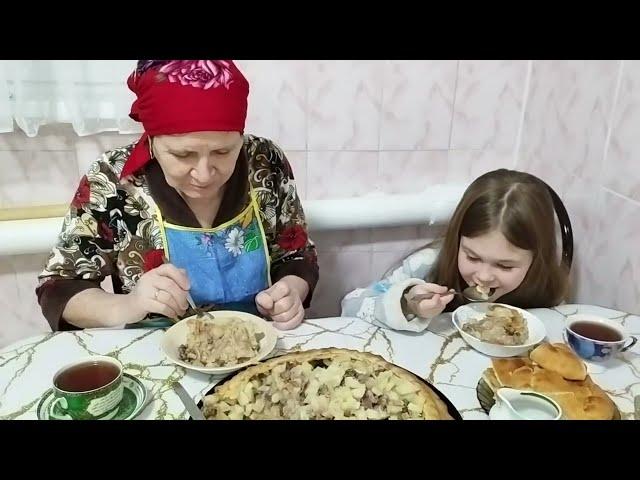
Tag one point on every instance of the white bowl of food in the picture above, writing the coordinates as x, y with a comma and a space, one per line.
498, 330
219, 343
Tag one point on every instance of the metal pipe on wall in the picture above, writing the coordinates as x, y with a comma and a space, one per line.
34, 230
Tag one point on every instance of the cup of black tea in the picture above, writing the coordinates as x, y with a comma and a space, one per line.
88, 389
595, 338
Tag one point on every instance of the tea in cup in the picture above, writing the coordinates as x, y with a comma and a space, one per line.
596, 338
88, 389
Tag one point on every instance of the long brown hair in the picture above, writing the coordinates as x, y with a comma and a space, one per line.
518, 205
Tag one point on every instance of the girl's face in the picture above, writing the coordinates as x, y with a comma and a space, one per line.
492, 261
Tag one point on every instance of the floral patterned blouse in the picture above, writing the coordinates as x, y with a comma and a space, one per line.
111, 228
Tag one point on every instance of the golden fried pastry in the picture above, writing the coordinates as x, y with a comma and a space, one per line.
559, 358
546, 372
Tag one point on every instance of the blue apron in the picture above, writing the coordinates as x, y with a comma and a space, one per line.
227, 265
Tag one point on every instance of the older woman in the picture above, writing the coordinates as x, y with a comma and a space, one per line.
193, 207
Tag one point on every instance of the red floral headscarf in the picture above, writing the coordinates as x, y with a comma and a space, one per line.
183, 96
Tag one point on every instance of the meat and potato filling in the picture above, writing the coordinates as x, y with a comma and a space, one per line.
333, 389
219, 344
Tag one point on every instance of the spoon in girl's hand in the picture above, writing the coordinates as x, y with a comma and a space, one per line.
472, 294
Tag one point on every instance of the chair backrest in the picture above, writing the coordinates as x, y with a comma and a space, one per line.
566, 231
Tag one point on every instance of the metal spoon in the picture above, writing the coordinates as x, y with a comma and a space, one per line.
470, 293
199, 312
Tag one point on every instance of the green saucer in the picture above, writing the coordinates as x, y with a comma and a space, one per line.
134, 399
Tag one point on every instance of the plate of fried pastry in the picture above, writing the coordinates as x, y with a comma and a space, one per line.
554, 370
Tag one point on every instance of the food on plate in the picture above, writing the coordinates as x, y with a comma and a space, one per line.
328, 383
500, 325
580, 399
220, 343
559, 358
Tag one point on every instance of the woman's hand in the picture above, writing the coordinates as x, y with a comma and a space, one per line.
282, 302
162, 290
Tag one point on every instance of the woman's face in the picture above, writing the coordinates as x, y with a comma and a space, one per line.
492, 261
197, 164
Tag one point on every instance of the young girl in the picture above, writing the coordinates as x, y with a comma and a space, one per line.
501, 236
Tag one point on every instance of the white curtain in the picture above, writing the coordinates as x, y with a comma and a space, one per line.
92, 95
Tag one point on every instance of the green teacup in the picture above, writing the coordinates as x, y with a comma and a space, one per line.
88, 389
